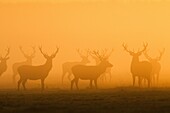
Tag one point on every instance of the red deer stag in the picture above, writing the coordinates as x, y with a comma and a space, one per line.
108, 70
27, 62
155, 65
140, 69
27, 72
3, 63
66, 67
91, 73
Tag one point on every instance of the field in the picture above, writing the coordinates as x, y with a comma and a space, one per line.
116, 100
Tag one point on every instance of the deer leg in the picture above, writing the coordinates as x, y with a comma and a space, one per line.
102, 77
139, 81
149, 82
153, 83
72, 83
42, 84
91, 84
69, 76
95, 82
23, 83
76, 82
63, 75
110, 75
133, 77
19, 82
14, 76
157, 78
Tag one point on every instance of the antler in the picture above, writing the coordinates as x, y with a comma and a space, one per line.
161, 53
147, 56
33, 53
104, 52
1, 57
78, 51
87, 52
81, 55
54, 54
125, 48
100, 57
8, 50
44, 54
145, 47
110, 53
25, 55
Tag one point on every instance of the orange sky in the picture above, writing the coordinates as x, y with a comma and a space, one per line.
96, 24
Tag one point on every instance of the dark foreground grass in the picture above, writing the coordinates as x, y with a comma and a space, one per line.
118, 100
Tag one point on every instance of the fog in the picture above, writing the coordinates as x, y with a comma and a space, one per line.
85, 25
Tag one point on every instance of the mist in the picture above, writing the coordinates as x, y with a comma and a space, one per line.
85, 25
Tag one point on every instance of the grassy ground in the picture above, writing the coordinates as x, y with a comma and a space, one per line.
117, 100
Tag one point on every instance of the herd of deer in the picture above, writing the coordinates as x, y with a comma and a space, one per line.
143, 70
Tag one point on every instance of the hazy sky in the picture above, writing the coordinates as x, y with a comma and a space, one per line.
51, 0
94, 25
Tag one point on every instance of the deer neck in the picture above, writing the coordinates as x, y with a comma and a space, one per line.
48, 65
135, 60
97, 61
29, 61
83, 62
134, 64
3, 67
101, 68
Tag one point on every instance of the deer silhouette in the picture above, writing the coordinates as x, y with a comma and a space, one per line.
155, 65
91, 73
3, 63
40, 72
108, 70
66, 67
140, 69
27, 62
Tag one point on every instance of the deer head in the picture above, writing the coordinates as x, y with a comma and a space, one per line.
6, 57
49, 57
85, 57
161, 53
103, 58
105, 54
157, 58
135, 54
28, 57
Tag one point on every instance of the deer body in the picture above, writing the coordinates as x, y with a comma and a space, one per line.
35, 72
89, 72
3, 67
156, 66
140, 69
67, 66
40, 72
3, 63
108, 70
27, 62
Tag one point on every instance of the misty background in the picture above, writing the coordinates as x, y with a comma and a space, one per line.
94, 25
